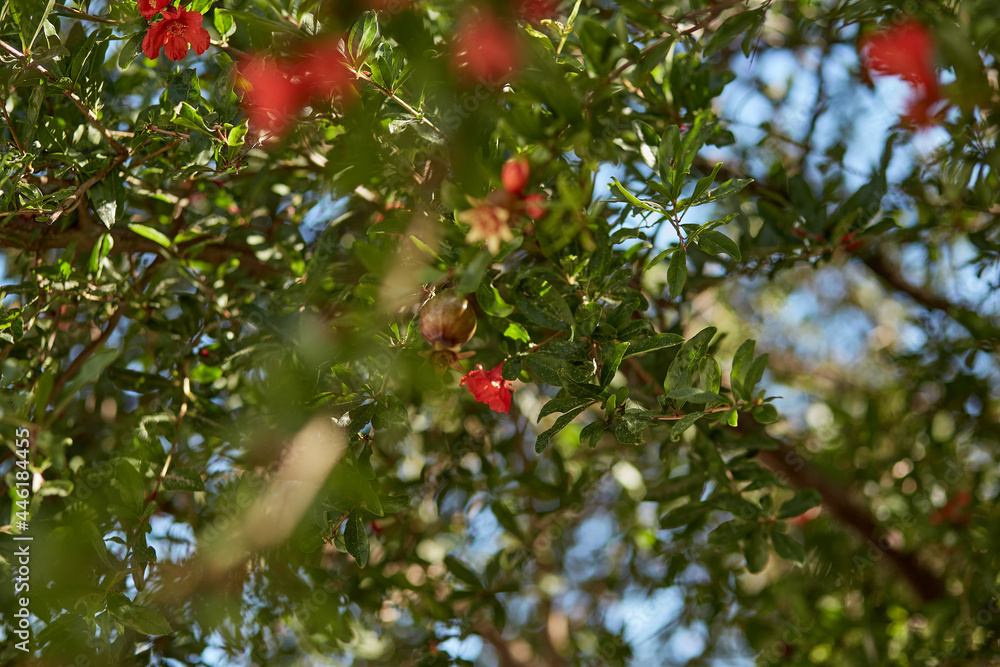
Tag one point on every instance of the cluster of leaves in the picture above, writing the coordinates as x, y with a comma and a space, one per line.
196, 271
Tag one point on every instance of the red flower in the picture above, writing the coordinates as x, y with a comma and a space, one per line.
485, 49
272, 98
514, 174
324, 70
276, 92
150, 8
534, 11
534, 206
906, 51
489, 387
178, 28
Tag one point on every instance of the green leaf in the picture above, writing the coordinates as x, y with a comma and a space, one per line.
545, 436
703, 184
765, 414
100, 252
656, 342
677, 273
715, 243
472, 277
356, 539
692, 395
506, 519
237, 134
31, 16
683, 424
56, 487
11, 325
154, 235
188, 117
102, 195
223, 22
684, 515
542, 303
491, 302
681, 370
756, 551
800, 503
726, 189
561, 405
361, 39
131, 486
97, 542
183, 479
755, 374
394, 504
515, 331
548, 366
611, 359
462, 572
741, 367
592, 433
130, 50
635, 201
143, 620
742, 24
710, 373
788, 547
670, 155
587, 318
372, 501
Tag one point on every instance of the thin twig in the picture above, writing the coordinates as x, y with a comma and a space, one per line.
77, 14
80, 104
391, 95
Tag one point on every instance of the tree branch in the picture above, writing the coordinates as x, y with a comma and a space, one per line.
24, 234
496, 640
803, 475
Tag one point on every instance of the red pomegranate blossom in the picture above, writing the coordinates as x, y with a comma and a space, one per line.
272, 99
535, 11
489, 387
150, 8
178, 28
906, 51
534, 206
276, 92
485, 49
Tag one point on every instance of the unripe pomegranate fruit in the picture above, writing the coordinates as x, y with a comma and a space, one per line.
447, 321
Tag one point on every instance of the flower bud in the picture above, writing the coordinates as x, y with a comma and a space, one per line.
515, 174
447, 321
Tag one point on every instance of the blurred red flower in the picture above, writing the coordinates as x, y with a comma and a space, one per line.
535, 206
485, 49
489, 387
906, 51
276, 92
150, 8
534, 11
272, 98
178, 28
323, 70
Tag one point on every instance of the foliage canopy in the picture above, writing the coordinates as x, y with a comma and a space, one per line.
437, 333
